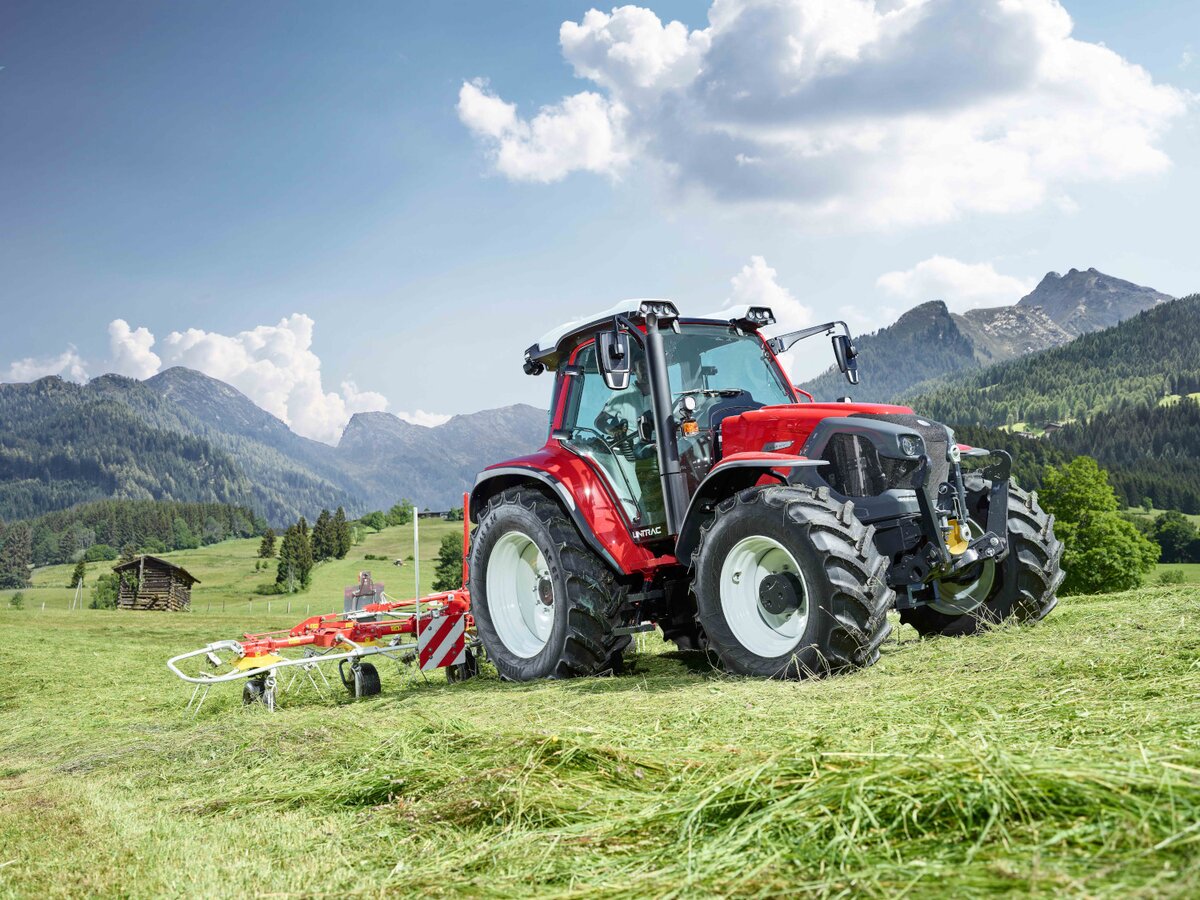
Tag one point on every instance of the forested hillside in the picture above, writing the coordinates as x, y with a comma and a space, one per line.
1140, 361
184, 436
1151, 453
100, 530
114, 437
62, 444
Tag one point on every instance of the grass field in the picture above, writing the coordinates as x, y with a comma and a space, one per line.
1155, 513
1191, 571
1062, 759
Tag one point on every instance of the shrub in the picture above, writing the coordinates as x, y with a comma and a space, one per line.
104, 591
1103, 552
1172, 576
100, 553
17, 600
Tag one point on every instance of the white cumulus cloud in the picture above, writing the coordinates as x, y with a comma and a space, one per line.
758, 284
274, 366
427, 419
872, 112
962, 285
582, 133
68, 365
130, 349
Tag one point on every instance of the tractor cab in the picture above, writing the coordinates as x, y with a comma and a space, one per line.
643, 394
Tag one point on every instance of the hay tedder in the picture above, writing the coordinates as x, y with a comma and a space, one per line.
432, 632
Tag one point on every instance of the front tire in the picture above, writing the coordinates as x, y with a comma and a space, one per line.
1026, 583
544, 603
789, 585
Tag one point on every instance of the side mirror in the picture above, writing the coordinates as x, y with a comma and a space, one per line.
846, 356
614, 359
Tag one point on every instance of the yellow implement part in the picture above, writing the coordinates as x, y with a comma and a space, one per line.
256, 662
957, 541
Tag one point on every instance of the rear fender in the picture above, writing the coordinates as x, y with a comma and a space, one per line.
582, 495
734, 473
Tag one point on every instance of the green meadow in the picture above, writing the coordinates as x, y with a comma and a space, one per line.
1061, 759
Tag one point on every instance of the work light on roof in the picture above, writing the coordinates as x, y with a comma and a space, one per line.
659, 308
755, 317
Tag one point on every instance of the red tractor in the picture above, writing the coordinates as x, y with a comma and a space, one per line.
686, 484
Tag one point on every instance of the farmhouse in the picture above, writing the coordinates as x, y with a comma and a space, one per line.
148, 582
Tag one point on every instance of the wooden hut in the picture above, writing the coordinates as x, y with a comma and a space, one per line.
148, 582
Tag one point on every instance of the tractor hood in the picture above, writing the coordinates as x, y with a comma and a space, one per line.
785, 429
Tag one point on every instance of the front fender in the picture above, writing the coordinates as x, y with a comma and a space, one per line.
734, 473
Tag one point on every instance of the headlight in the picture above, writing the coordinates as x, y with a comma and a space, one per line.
911, 445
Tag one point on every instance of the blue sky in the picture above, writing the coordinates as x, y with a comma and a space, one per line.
228, 167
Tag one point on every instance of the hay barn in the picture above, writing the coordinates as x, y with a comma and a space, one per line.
148, 582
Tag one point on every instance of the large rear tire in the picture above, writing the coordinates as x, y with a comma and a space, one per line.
544, 603
1026, 583
789, 585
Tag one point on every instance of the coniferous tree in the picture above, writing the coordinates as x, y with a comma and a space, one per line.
266, 549
448, 574
16, 556
324, 541
78, 573
341, 534
295, 558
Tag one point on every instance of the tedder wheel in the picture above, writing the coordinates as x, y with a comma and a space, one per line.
1022, 587
789, 584
544, 603
252, 692
362, 680
469, 668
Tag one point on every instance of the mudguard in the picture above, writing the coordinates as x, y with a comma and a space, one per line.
732, 474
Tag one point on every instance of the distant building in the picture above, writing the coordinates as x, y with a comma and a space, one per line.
148, 582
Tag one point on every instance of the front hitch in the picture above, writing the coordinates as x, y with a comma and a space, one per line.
992, 544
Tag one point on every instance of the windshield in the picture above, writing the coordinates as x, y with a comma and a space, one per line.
715, 359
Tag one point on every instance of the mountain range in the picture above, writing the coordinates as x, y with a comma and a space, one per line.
182, 435
929, 342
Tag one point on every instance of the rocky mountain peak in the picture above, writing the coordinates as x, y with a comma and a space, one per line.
1083, 301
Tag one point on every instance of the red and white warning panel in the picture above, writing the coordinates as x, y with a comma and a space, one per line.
442, 641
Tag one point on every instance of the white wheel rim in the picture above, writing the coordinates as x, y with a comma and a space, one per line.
757, 629
517, 580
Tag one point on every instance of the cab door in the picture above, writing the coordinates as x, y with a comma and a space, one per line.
614, 430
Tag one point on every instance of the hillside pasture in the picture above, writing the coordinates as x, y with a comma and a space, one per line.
1061, 759
228, 580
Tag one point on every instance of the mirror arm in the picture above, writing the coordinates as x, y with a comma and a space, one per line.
621, 321
784, 342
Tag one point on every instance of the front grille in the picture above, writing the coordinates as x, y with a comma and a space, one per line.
935, 436
855, 469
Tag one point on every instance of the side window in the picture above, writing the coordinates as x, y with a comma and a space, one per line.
613, 428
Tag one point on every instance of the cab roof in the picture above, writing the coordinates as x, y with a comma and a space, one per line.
557, 343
